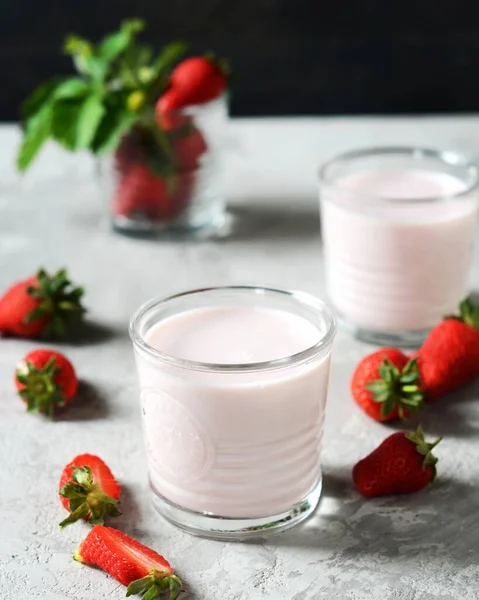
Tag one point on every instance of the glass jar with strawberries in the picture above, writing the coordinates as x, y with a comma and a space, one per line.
157, 129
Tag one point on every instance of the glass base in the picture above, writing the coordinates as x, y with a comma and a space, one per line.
235, 529
218, 226
401, 339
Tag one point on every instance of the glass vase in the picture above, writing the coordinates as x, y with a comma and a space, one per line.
168, 179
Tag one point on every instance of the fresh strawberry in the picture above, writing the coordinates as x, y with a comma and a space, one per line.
188, 146
198, 79
403, 463
385, 385
88, 490
131, 563
40, 305
145, 195
142, 193
170, 102
449, 357
45, 380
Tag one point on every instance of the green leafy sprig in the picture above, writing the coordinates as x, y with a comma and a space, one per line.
117, 84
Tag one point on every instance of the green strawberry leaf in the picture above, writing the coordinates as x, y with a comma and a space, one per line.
37, 132
81, 512
89, 118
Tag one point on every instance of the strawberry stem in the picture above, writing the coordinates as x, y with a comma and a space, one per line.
468, 313
153, 585
59, 302
397, 389
87, 499
424, 448
41, 393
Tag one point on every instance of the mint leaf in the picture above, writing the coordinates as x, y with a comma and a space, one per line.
114, 125
39, 97
71, 88
37, 132
169, 55
65, 122
113, 45
96, 67
133, 26
89, 117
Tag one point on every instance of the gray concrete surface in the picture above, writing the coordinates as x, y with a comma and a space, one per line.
421, 547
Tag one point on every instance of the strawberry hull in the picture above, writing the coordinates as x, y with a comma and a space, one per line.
88, 490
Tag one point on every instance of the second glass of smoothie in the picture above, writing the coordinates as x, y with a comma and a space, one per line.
233, 386
398, 227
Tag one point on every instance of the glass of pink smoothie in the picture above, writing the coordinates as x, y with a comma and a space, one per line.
398, 227
233, 385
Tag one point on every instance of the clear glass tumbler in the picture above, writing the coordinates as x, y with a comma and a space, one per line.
167, 179
398, 227
234, 449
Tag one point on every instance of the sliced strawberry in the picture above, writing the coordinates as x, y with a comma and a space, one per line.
131, 563
45, 380
88, 490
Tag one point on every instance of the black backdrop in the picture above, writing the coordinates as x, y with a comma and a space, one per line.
289, 56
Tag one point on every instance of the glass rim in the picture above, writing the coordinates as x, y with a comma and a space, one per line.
301, 297
448, 157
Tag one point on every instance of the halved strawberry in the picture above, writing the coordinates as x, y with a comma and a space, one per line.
88, 490
131, 563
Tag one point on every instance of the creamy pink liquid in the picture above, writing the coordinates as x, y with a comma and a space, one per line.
397, 266
233, 444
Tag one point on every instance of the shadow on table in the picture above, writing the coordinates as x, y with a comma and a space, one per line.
453, 415
89, 404
351, 527
131, 516
273, 219
90, 333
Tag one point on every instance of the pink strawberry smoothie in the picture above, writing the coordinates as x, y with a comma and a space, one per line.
234, 443
397, 260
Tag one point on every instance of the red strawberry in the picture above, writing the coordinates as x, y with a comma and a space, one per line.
403, 463
449, 357
131, 563
385, 385
188, 146
40, 305
142, 193
88, 490
170, 102
198, 79
45, 380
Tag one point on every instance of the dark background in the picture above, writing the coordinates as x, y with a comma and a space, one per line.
289, 57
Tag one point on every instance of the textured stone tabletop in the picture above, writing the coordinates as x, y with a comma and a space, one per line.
421, 547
